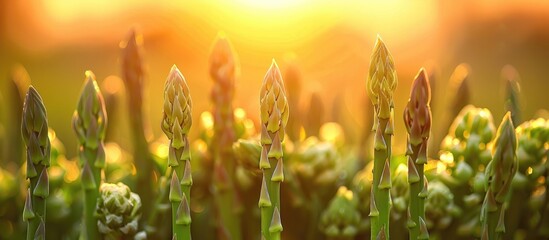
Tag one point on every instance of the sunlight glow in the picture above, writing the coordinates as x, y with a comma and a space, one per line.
271, 4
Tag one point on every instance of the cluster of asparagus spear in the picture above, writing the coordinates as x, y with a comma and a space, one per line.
329, 189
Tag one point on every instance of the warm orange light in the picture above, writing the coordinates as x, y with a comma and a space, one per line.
271, 4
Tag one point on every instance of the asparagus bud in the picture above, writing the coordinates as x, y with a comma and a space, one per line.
176, 123
89, 123
34, 128
118, 211
274, 117
382, 82
499, 172
417, 118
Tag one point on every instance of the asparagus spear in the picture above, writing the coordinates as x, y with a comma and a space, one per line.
510, 78
89, 122
176, 123
417, 118
274, 117
499, 172
133, 74
382, 81
34, 128
223, 67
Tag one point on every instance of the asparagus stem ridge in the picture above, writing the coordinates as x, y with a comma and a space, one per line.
382, 82
34, 128
176, 123
417, 118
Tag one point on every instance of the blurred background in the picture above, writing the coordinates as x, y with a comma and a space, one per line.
329, 41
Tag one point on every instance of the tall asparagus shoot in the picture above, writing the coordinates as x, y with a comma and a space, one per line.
223, 72
499, 172
510, 77
382, 81
133, 74
89, 122
34, 128
176, 123
274, 117
417, 118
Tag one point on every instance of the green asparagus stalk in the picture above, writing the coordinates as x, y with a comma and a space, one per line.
133, 74
510, 78
417, 118
499, 172
118, 211
176, 123
274, 117
89, 122
382, 81
34, 129
223, 67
